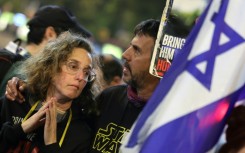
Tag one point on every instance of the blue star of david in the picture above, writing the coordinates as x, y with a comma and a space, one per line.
209, 56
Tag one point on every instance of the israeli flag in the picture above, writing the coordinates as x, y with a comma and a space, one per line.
189, 108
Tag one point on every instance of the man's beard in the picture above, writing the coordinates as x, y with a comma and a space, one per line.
138, 80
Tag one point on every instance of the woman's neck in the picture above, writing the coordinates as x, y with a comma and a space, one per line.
61, 104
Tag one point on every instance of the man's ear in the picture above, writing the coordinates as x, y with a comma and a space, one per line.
50, 33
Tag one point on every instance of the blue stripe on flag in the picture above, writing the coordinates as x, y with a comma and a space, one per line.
193, 129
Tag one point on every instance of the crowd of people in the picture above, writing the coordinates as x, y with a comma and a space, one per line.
59, 96
58, 91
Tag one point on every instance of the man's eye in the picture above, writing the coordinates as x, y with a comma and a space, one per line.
136, 49
73, 66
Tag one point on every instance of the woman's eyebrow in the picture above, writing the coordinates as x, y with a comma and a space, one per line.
85, 67
73, 60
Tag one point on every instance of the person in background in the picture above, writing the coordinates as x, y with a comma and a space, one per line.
60, 84
47, 23
111, 69
7, 58
235, 132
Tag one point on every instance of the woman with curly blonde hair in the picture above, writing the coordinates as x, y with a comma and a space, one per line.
60, 95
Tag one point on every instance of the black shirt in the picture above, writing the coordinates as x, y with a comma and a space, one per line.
118, 114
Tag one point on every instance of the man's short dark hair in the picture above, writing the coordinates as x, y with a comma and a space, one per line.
60, 18
110, 67
148, 27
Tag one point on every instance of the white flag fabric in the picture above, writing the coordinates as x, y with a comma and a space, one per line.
188, 110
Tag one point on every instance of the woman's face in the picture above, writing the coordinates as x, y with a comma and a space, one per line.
69, 83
